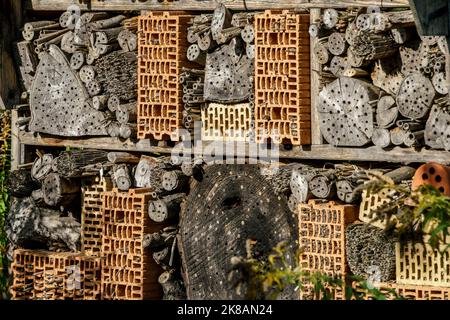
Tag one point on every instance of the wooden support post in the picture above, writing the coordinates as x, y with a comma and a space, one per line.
316, 136
16, 146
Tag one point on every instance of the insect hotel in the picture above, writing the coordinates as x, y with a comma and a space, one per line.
157, 149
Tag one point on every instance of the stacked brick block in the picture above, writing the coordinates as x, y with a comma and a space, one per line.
322, 239
282, 77
370, 202
43, 275
227, 123
161, 55
419, 264
129, 271
91, 216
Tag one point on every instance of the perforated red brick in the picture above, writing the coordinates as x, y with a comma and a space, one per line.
91, 216
161, 55
282, 77
44, 275
129, 271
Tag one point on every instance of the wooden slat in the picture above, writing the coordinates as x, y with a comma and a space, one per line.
319, 152
316, 136
432, 17
16, 147
204, 5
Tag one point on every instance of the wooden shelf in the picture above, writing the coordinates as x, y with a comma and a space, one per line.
205, 5
317, 152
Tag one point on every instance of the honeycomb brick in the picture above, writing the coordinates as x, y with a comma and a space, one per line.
414, 292
227, 122
370, 202
91, 216
44, 275
129, 271
282, 77
419, 264
161, 55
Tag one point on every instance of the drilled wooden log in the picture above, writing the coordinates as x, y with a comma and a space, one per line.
299, 184
387, 112
437, 130
59, 190
337, 44
172, 287
162, 257
154, 242
221, 20
174, 180
121, 177
316, 30
127, 40
346, 118
106, 23
87, 74
248, 34
194, 54
205, 42
415, 96
166, 208
398, 136
126, 113
77, 60
346, 190
113, 103
440, 83
148, 174
323, 185
338, 65
113, 129
20, 183
102, 49
414, 139
100, 102
337, 19
122, 157
321, 53
28, 58
42, 166
106, 36
242, 19
93, 88
381, 138
127, 130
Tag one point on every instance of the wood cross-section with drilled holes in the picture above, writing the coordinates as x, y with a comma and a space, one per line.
282, 78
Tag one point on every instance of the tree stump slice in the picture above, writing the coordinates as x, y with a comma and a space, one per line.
437, 129
440, 83
387, 112
221, 213
346, 112
381, 138
415, 96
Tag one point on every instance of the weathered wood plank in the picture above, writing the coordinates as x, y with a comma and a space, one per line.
316, 136
318, 152
205, 5
431, 17
16, 147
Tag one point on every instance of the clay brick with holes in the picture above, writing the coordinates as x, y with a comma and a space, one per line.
322, 238
91, 216
413, 292
44, 275
433, 174
419, 264
282, 77
370, 202
227, 122
161, 55
129, 271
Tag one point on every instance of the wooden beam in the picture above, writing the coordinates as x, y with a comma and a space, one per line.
16, 147
205, 5
316, 135
319, 152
